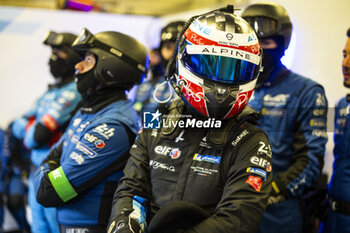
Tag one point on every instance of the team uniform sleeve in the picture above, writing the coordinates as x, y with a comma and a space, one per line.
89, 163
310, 139
134, 190
41, 179
50, 120
246, 191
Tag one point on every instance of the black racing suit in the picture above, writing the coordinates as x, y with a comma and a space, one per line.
225, 171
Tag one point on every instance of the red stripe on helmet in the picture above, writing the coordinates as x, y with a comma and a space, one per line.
197, 39
194, 93
241, 102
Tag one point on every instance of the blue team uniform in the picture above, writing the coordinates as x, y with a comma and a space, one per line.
338, 188
293, 114
91, 154
40, 127
15, 163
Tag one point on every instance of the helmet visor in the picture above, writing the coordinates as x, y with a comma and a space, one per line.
263, 26
221, 68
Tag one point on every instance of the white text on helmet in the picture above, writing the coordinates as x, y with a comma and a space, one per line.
223, 51
201, 27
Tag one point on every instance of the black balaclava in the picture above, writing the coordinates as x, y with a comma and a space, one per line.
87, 84
61, 68
94, 95
271, 62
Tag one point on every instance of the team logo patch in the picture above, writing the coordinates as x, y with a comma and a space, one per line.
180, 138
259, 161
162, 150
277, 100
90, 138
100, 143
175, 153
49, 122
255, 182
86, 150
257, 171
229, 36
265, 149
104, 131
207, 158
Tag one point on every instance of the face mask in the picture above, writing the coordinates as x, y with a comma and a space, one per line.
270, 61
60, 68
220, 100
86, 83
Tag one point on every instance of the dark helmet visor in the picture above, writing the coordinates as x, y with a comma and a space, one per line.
263, 26
221, 68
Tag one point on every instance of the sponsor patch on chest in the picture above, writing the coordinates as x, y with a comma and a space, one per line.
277, 100
207, 158
204, 171
174, 153
163, 166
239, 137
